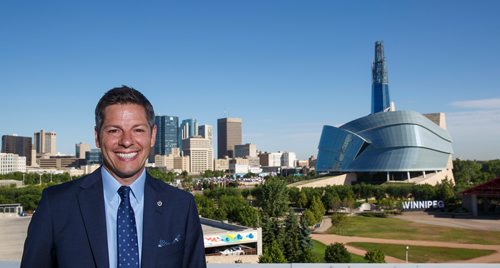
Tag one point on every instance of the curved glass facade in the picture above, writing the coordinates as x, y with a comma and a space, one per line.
384, 142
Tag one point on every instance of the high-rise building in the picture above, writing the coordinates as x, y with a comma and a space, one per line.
206, 132
229, 134
21, 146
81, 149
166, 134
45, 143
289, 159
245, 150
187, 129
380, 82
200, 154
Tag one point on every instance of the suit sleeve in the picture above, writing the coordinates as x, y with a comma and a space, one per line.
194, 250
38, 247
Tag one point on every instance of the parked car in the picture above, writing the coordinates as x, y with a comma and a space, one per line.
236, 250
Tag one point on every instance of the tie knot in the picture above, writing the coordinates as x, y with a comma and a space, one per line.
124, 192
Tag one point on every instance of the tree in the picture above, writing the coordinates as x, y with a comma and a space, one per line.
302, 200
274, 197
309, 217
337, 253
273, 254
339, 221
292, 248
375, 256
317, 208
445, 191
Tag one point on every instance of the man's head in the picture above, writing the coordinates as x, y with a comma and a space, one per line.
125, 132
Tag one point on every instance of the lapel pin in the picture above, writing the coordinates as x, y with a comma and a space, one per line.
159, 203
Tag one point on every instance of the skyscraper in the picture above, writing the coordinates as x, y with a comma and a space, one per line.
188, 129
45, 143
81, 149
166, 134
206, 132
228, 135
200, 154
21, 146
380, 82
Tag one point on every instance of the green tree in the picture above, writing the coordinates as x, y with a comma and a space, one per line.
302, 200
375, 256
292, 247
337, 253
273, 254
445, 191
309, 217
339, 222
274, 197
317, 208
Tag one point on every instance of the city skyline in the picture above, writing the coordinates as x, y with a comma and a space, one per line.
285, 67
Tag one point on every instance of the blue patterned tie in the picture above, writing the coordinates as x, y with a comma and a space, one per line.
128, 253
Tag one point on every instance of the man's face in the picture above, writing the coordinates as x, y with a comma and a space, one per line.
125, 140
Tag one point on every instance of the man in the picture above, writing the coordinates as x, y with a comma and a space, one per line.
118, 216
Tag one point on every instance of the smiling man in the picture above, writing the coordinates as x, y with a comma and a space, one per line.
118, 216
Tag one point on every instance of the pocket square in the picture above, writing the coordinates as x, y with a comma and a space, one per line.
164, 243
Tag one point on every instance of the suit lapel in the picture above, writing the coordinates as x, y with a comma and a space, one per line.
153, 208
91, 200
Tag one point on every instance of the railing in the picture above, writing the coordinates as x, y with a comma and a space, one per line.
14, 264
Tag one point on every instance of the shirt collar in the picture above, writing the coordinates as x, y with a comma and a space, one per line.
111, 185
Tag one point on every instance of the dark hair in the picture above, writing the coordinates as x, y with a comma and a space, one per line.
122, 95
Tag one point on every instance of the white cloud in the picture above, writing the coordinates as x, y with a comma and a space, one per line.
484, 104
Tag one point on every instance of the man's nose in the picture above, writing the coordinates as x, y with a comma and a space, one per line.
126, 139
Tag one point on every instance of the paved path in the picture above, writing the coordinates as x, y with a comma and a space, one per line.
329, 238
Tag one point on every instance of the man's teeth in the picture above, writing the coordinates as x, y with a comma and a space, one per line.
127, 156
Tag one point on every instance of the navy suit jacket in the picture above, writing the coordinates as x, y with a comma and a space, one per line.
68, 228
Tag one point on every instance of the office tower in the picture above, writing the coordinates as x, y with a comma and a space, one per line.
187, 129
12, 163
245, 150
45, 143
206, 132
166, 135
21, 146
228, 135
81, 149
200, 154
289, 159
380, 82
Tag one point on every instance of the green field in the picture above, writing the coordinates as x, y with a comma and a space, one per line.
319, 251
393, 228
420, 254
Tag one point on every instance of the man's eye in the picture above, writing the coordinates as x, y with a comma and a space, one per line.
140, 130
112, 131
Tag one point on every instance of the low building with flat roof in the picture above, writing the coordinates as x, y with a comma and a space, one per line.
230, 243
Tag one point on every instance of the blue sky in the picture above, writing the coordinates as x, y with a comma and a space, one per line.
285, 67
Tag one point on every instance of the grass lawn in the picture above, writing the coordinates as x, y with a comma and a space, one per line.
393, 228
318, 250
422, 254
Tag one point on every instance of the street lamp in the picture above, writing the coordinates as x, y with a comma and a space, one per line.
407, 248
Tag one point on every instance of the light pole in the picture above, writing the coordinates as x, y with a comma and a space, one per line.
407, 248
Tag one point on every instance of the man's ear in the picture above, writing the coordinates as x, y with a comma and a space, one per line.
153, 135
96, 134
